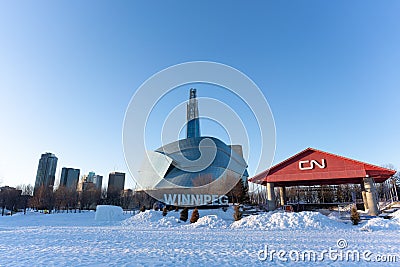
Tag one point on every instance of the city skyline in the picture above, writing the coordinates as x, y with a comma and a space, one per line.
328, 70
69, 177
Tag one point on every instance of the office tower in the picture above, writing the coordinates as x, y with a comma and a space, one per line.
46, 172
90, 181
98, 180
69, 178
116, 182
90, 177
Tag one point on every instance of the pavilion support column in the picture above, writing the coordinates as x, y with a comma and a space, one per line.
282, 194
364, 196
370, 192
271, 196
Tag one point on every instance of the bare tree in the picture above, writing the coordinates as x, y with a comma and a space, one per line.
72, 199
43, 198
26, 195
397, 174
61, 198
141, 198
27, 189
103, 193
3, 198
113, 196
239, 193
9, 198
127, 200
395, 177
90, 198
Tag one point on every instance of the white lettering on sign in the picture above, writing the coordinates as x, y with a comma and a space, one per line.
310, 164
195, 200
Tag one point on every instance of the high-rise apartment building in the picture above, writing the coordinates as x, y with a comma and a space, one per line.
116, 183
90, 177
46, 172
69, 178
98, 180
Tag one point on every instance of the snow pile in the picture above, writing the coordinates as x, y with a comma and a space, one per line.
209, 221
287, 220
108, 213
377, 224
396, 215
335, 216
220, 219
214, 218
223, 215
152, 218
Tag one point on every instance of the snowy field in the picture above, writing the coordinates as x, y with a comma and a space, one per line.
149, 239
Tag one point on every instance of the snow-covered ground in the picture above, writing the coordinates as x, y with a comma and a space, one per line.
149, 239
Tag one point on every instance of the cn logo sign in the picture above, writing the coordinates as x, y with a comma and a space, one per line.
310, 164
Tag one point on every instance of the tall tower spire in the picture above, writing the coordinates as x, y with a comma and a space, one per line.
193, 123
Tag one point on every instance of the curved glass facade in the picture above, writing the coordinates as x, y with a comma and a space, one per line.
190, 149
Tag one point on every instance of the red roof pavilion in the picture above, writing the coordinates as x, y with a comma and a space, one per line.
316, 167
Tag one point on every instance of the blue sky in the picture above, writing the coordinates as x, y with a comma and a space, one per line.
329, 70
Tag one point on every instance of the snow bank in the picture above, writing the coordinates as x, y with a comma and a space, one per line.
214, 218
108, 213
378, 224
221, 219
152, 218
287, 220
209, 221
396, 215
